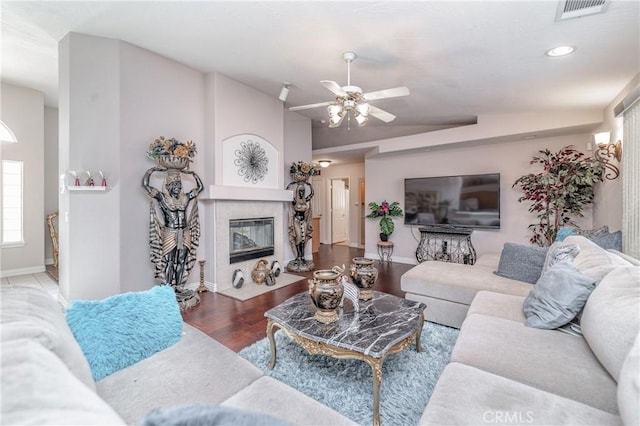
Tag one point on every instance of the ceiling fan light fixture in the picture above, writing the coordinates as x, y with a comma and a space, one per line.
336, 114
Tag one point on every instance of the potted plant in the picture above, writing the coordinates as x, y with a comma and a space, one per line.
560, 191
386, 211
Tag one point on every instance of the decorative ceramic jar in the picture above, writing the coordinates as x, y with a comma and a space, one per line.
364, 275
326, 291
260, 272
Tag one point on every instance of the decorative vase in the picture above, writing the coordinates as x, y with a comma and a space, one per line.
384, 237
172, 162
260, 272
364, 275
326, 290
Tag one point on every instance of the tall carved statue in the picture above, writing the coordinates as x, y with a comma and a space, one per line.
300, 219
174, 228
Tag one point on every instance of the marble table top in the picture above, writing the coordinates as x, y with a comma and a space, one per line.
373, 330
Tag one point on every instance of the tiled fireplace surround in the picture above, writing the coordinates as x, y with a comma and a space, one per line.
229, 203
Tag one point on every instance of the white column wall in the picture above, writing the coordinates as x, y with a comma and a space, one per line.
50, 175
89, 114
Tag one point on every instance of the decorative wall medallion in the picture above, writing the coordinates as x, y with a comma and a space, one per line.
252, 161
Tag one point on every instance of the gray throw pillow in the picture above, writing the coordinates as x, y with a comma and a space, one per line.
612, 240
522, 263
557, 297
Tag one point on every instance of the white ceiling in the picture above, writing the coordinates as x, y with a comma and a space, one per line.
459, 59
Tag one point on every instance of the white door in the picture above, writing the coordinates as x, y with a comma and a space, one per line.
338, 211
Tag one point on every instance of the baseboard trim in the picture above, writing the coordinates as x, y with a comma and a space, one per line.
394, 259
194, 286
22, 271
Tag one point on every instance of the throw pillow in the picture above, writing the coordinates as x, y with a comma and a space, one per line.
612, 240
126, 328
567, 231
522, 263
208, 415
557, 297
559, 252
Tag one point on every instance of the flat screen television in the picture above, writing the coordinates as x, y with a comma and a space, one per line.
465, 201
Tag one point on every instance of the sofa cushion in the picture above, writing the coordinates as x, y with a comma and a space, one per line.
32, 313
457, 282
465, 395
39, 389
629, 386
557, 297
611, 318
270, 396
126, 328
594, 261
505, 306
549, 360
521, 262
197, 369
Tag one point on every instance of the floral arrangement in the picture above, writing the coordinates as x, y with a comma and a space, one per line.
162, 147
386, 211
301, 168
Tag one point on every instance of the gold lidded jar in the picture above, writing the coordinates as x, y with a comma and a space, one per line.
260, 272
326, 291
364, 276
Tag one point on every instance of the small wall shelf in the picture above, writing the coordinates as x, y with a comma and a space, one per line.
85, 188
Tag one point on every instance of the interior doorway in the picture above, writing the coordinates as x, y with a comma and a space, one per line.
339, 210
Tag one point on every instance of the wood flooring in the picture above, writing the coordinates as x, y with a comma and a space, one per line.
237, 324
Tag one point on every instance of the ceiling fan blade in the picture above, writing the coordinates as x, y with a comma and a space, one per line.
334, 87
301, 107
387, 93
381, 114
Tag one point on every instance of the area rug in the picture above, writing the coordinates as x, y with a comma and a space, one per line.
250, 289
408, 377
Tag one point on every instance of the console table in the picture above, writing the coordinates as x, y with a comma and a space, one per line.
447, 244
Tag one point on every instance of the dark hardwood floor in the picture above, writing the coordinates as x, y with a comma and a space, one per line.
238, 324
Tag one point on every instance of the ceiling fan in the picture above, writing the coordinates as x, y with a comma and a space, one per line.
350, 99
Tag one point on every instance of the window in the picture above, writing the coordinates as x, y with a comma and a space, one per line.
12, 182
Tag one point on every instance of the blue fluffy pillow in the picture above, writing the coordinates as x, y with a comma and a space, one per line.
126, 328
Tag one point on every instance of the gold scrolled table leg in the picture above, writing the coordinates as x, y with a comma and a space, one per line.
272, 340
419, 333
376, 368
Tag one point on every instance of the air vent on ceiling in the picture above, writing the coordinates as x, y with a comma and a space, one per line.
569, 9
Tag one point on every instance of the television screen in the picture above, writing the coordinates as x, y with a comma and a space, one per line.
469, 201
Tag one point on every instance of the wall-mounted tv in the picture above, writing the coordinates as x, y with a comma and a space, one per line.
466, 201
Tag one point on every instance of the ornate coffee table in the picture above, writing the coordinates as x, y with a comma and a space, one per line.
382, 326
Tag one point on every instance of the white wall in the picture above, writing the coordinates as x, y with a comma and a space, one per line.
115, 99
385, 181
50, 175
22, 110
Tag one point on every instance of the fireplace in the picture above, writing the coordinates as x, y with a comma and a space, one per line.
250, 238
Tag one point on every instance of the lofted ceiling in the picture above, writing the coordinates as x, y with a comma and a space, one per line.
459, 59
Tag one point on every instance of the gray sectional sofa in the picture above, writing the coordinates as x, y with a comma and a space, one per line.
503, 372
47, 381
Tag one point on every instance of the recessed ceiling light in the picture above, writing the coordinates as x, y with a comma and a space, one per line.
560, 51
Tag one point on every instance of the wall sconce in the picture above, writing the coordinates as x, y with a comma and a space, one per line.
606, 151
324, 163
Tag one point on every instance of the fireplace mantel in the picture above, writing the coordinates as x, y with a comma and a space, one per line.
243, 193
